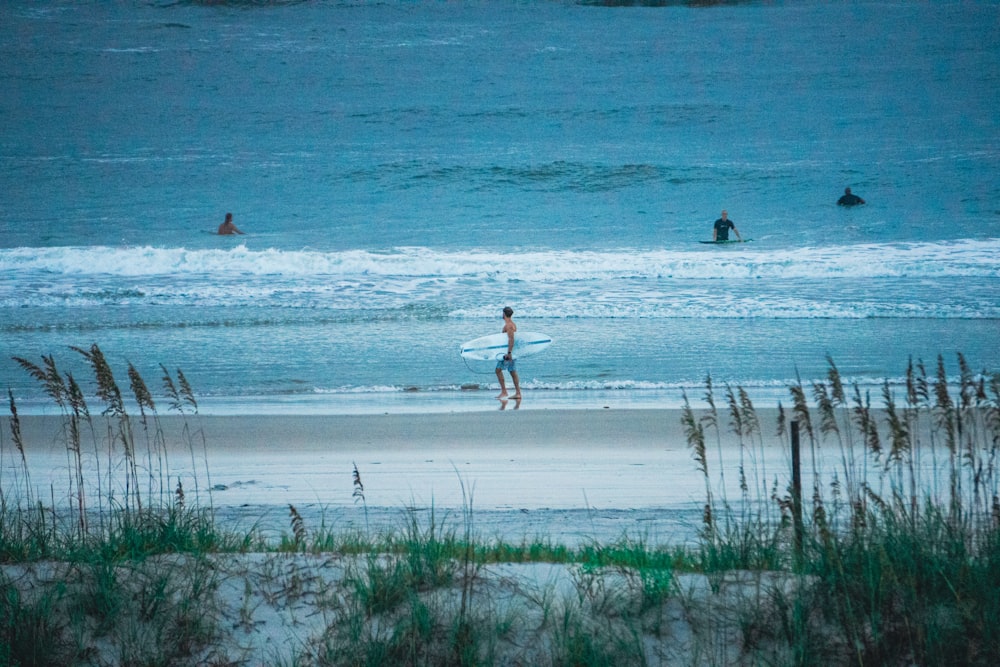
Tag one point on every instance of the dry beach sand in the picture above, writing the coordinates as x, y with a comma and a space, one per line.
282, 609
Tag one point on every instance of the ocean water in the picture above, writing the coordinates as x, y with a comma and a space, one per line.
405, 170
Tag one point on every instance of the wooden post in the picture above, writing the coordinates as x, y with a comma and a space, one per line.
797, 493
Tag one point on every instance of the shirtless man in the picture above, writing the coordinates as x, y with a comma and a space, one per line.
228, 227
508, 361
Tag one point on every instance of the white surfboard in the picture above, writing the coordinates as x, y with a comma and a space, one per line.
494, 346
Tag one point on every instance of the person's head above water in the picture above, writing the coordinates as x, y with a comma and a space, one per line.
508, 311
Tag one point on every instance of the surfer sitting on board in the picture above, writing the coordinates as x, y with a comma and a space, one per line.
228, 227
507, 362
720, 232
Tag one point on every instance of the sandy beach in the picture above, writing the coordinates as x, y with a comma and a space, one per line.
567, 475
607, 479
570, 477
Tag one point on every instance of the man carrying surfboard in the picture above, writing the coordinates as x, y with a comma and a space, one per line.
507, 363
720, 231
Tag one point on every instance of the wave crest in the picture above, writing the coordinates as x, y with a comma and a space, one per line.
963, 258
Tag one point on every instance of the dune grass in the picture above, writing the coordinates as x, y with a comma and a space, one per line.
902, 536
899, 561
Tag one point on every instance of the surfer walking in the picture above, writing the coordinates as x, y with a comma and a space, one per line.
720, 231
507, 363
227, 227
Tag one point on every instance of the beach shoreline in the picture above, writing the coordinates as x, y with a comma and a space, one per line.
579, 427
547, 481
311, 432
569, 476
563, 475
477, 399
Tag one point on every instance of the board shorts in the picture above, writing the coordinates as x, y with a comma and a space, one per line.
506, 365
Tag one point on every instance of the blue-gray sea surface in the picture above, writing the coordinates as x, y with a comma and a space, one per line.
404, 170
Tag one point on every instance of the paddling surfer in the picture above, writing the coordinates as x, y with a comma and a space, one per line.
227, 227
720, 230
507, 363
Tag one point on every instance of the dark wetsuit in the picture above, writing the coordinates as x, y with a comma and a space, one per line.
850, 200
722, 228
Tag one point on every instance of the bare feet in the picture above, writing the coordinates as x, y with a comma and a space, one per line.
503, 396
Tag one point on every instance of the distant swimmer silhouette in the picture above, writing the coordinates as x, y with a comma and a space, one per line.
228, 227
849, 199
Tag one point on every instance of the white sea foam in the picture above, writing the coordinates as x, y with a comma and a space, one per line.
964, 258
926, 280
